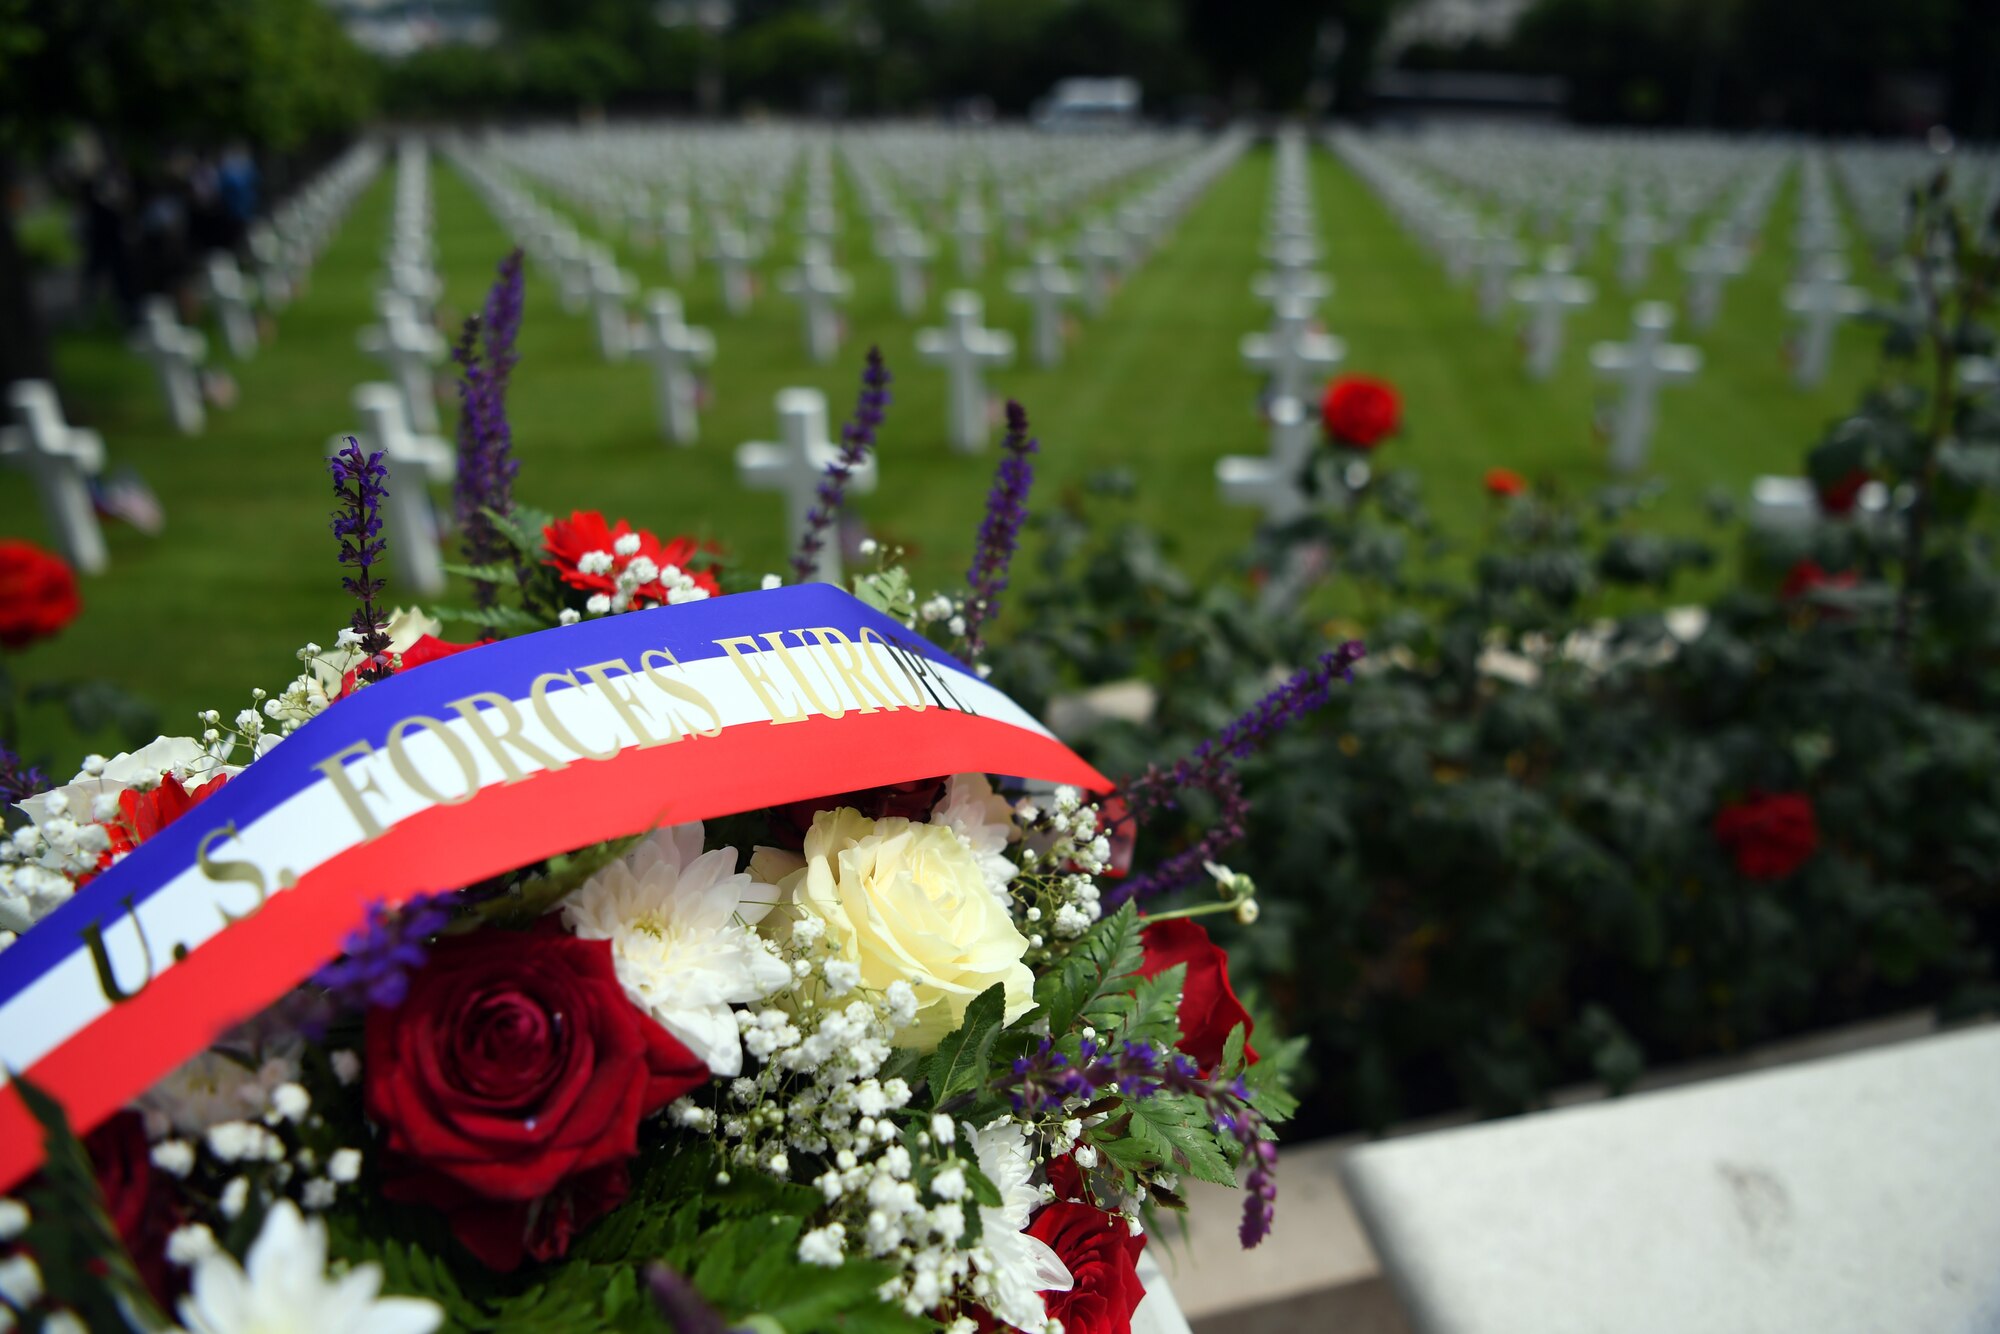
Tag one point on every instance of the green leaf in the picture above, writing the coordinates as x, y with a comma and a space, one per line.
1269, 1081
493, 572
492, 618
960, 1064
1110, 952
1169, 1130
888, 591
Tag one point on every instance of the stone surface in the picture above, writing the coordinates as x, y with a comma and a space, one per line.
1858, 1193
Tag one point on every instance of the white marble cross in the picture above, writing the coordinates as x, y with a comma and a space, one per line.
572, 270
969, 229
61, 459
1499, 256
1102, 255
733, 256
176, 353
230, 292
415, 460
1293, 354
1273, 483
965, 348
1583, 225
610, 289
1820, 302
1642, 365
1048, 287
1285, 284
416, 280
794, 467
274, 277
676, 351
1791, 505
820, 289
409, 349
908, 252
677, 238
1549, 297
1637, 236
1706, 266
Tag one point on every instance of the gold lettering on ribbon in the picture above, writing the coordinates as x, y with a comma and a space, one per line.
496, 743
100, 958
778, 646
335, 768
230, 872
539, 695
847, 662
628, 708
760, 684
870, 638
399, 756
681, 691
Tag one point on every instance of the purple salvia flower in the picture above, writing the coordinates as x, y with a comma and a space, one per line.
359, 484
486, 463
377, 960
857, 437
1186, 867
19, 780
1000, 530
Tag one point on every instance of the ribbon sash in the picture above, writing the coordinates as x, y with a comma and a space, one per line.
465, 768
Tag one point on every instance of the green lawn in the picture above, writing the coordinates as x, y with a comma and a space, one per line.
245, 573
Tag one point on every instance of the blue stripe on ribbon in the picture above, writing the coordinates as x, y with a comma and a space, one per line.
689, 631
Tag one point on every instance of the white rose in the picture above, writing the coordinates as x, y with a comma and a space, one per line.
907, 902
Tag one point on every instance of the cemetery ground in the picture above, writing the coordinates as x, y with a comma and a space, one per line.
1155, 387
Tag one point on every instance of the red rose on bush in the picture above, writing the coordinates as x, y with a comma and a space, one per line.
1103, 1260
1807, 575
569, 541
1361, 411
1839, 497
509, 1086
1769, 836
139, 1199
1505, 482
1209, 1008
37, 594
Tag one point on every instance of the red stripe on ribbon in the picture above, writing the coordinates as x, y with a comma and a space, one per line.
247, 966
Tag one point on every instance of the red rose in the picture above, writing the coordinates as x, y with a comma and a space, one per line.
1066, 1178
510, 1078
1839, 497
139, 1200
143, 814
584, 532
1807, 575
1361, 411
1768, 836
914, 800
1209, 1008
427, 649
1103, 1260
37, 594
1505, 482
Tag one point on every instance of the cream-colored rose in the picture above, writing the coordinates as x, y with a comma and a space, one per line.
908, 902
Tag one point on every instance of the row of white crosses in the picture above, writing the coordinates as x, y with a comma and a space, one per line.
284, 248
61, 460
1295, 356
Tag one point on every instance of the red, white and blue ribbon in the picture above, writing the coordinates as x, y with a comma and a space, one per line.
465, 768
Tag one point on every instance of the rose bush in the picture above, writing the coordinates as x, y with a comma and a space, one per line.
1361, 411
38, 594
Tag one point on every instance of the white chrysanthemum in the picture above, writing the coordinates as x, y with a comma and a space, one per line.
680, 922
1020, 1267
285, 1287
214, 1088
972, 810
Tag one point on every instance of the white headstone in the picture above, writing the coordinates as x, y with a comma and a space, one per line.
610, 289
965, 348
820, 289
969, 229
230, 292
677, 238
176, 353
1048, 287
795, 466
61, 459
1820, 302
1637, 236
1790, 505
1273, 483
1549, 297
908, 252
409, 349
1706, 266
733, 256
414, 460
1293, 354
676, 351
1642, 366
1499, 256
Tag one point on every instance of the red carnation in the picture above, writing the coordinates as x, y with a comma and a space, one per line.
139, 1199
37, 594
1102, 1256
1209, 1008
1768, 835
509, 1086
142, 814
585, 534
1361, 411
1505, 482
1839, 497
1806, 576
